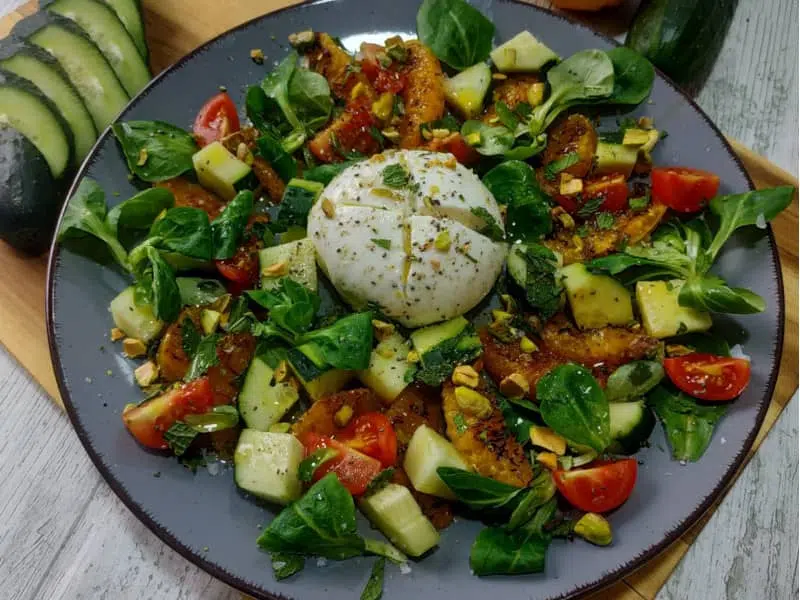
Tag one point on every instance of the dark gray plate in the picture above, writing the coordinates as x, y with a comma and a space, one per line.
208, 521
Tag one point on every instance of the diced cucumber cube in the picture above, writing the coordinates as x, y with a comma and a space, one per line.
220, 171
296, 260
137, 321
386, 374
266, 465
394, 511
263, 401
427, 451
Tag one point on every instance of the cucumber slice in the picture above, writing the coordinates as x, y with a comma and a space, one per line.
87, 68
300, 259
631, 424
221, 172
30, 198
41, 69
427, 451
397, 515
26, 109
266, 464
426, 338
130, 13
263, 401
316, 382
388, 363
595, 300
137, 321
104, 28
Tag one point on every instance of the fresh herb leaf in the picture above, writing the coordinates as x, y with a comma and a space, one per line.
382, 243
457, 33
286, 565
633, 77
604, 220
533, 268
380, 481
204, 357
491, 228
154, 150
271, 149
712, 294
561, 164
589, 207
513, 183
507, 117
437, 364
639, 203
228, 228
573, 405
291, 305
688, 424
460, 423
395, 176
326, 172
374, 588
182, 230
315, 460
493, 140
190, 337
322, 523
179, 437
517, 421
541, 490
218, 418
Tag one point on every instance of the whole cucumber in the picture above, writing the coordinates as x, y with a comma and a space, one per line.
682, 37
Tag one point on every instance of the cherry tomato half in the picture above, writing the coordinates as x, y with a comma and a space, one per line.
613, 189
354, 469
683, 189
383, 79
602, 486
241, 270
217, 119
373, 434
148, 421
708, 376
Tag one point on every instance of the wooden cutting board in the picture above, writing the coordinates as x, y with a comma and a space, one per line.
176, 27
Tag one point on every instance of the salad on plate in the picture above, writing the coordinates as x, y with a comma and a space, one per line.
419, 281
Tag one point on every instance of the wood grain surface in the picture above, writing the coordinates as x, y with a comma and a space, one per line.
70, 539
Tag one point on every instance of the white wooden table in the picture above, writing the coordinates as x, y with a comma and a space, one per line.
65, 535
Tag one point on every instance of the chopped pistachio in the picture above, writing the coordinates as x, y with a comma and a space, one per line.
466, 375
442, 241
440, 133
328, 208
473, 402
527, 345
146, 374
133, 348
142, 157
548, 459
282, 371
499, 76
546, 438
413, 356
501, 315
509, 304
515, 386
426, 134
569, 185
536, 94
566, 220
391, 134
278, 269
117, 334
678, 350
382, 107
359, 89
257, 54
594, 528
645, 122
301, 38
436, 264
343, 415
382, 329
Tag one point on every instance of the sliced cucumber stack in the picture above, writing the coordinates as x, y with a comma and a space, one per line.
87, 68
41, 69
104, 28
130, 13
26, 109
30, 196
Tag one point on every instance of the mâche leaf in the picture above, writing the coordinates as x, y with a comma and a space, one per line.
154, 150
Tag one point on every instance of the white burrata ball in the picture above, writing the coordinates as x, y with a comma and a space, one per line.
401, 231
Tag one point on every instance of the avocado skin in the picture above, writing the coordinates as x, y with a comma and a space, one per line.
30, 199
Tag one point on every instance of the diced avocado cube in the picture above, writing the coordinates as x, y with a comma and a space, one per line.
522, 53
615, 158
662, 316
595, 300
466, 91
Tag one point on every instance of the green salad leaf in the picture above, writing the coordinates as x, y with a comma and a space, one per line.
227, 230
270, 148
322, 523
204, 356
179, 437
573, 405
131, 219
498, 552
154, 150
689, 425
156, 285
533, 267
479, 492
182, 230
513, 183
457, 33
437, 364
292, 306
374, 588
198, 291
347, 344
286, 565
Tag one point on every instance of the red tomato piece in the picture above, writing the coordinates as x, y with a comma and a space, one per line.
241, 270
354, 469
217, 119
456, 145
373, 434
389, 81
612, 188
602, 486
708, 376
683, 189
148, 421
